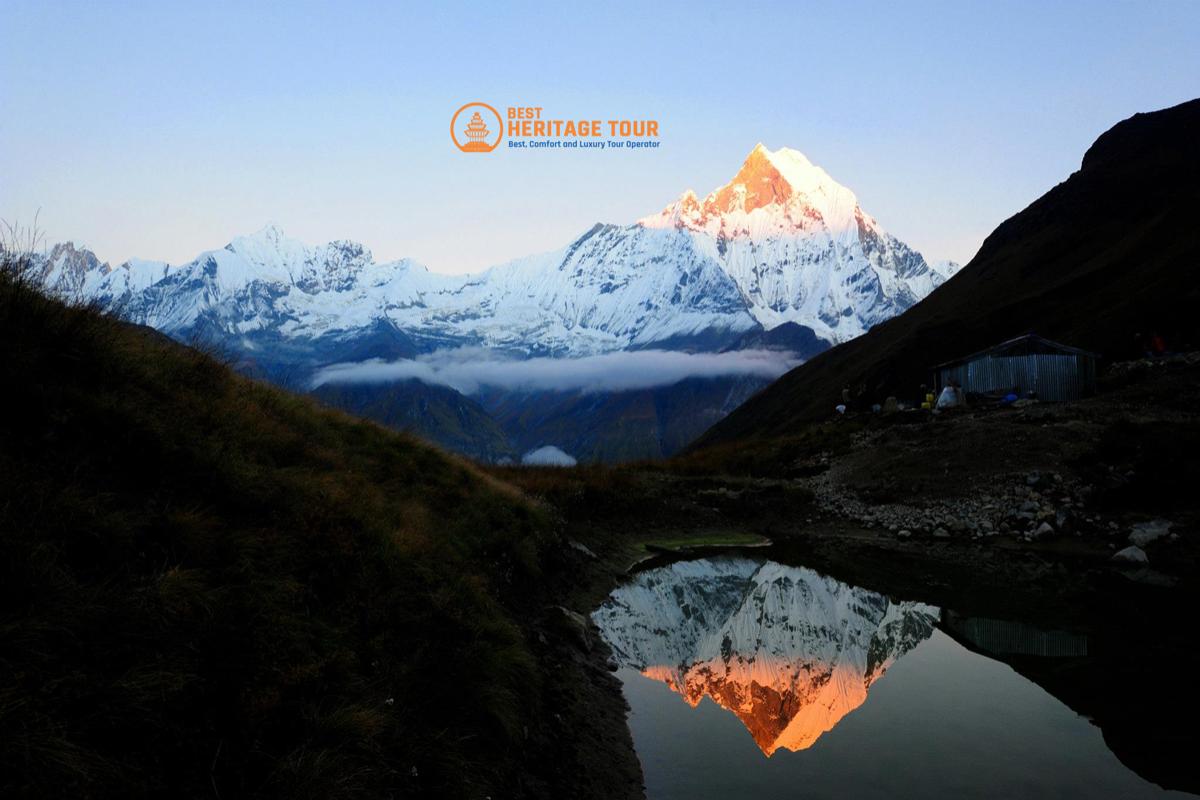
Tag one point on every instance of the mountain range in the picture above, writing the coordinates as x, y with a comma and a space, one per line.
782, 246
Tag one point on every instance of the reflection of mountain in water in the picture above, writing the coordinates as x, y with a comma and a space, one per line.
787, 650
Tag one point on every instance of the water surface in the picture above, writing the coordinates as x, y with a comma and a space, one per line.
751, 678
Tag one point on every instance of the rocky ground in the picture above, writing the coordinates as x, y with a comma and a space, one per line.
1028, 507
1078, 477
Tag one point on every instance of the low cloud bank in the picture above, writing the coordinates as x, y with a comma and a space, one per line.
469, 370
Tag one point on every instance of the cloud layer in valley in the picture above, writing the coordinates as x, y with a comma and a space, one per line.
469, 370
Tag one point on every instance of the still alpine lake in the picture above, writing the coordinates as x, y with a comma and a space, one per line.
750, 678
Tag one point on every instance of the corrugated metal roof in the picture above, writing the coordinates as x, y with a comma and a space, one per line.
1027, 344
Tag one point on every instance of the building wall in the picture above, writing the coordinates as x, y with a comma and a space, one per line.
1052, 376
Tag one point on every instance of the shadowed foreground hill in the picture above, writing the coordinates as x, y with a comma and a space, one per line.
210, 587
1108, 254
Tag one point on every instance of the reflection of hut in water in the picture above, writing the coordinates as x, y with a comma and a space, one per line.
1002, 638
476, 133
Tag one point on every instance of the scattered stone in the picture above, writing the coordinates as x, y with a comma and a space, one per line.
904, 533
1146, 532
1033, 478
1131, 555
1045, 529
941, 533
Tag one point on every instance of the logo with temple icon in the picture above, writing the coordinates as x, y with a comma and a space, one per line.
476, 128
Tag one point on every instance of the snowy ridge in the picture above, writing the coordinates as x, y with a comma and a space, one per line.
787, 650
591, 297
782, 242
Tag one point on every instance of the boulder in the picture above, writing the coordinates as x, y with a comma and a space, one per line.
1131, 555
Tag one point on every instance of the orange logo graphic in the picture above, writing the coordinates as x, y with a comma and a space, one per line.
471, 133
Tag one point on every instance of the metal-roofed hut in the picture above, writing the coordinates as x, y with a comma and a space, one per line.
1029, 363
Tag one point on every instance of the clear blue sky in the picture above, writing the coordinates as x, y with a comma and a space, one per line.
162, 129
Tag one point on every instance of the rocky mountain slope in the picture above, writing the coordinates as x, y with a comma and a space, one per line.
1101, 261
618, 426
434, 413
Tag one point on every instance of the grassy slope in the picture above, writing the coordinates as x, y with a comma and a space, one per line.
212, 587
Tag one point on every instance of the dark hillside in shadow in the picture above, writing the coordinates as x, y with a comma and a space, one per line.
212, 587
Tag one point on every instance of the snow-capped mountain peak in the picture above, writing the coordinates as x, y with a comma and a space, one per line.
269, 255
268, 237
800, 248
773, 192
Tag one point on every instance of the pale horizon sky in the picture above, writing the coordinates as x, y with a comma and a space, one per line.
160, 130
